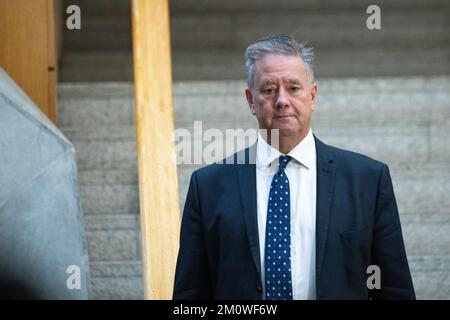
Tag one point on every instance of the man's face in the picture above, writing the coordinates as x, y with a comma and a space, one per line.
282, 97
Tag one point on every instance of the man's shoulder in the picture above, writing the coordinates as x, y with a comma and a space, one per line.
348, 159
228, 165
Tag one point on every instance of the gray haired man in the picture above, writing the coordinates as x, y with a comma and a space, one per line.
298, 220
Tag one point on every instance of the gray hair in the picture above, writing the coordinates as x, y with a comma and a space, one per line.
281, 44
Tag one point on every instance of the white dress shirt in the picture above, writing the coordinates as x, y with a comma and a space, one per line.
301, 172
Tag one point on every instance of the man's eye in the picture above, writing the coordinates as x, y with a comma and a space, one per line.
268, 91
295, 89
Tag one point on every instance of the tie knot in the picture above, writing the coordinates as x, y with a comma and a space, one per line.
282, 162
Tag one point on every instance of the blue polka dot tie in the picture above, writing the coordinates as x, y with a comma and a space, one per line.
278, 237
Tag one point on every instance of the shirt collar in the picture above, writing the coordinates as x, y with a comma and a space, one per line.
304, 152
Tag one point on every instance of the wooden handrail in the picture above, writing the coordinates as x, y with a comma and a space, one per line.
158, 185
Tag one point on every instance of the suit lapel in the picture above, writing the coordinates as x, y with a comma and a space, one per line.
324, 194
247, 184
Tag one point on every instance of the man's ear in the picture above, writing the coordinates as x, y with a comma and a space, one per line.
249, 96
313, 93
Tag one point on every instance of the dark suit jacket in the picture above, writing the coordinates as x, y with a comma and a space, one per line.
357, 225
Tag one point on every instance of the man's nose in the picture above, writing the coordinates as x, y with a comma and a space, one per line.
281, 99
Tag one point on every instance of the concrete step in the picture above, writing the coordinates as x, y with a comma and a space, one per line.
430, 276
106, 269
101, 7
108, 32
231, 6
414, 144
337, 129
114, 237
114, 248
98, 66
359, 62
109, 199
331, 30
116, 7
229, 65
378, 101
428, 239
117, 280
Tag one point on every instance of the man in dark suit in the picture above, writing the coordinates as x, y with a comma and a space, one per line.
290, 217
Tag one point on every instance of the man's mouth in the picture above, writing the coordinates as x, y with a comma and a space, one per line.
284, 116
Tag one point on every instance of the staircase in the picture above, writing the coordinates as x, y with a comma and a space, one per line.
210, 36
381, 95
